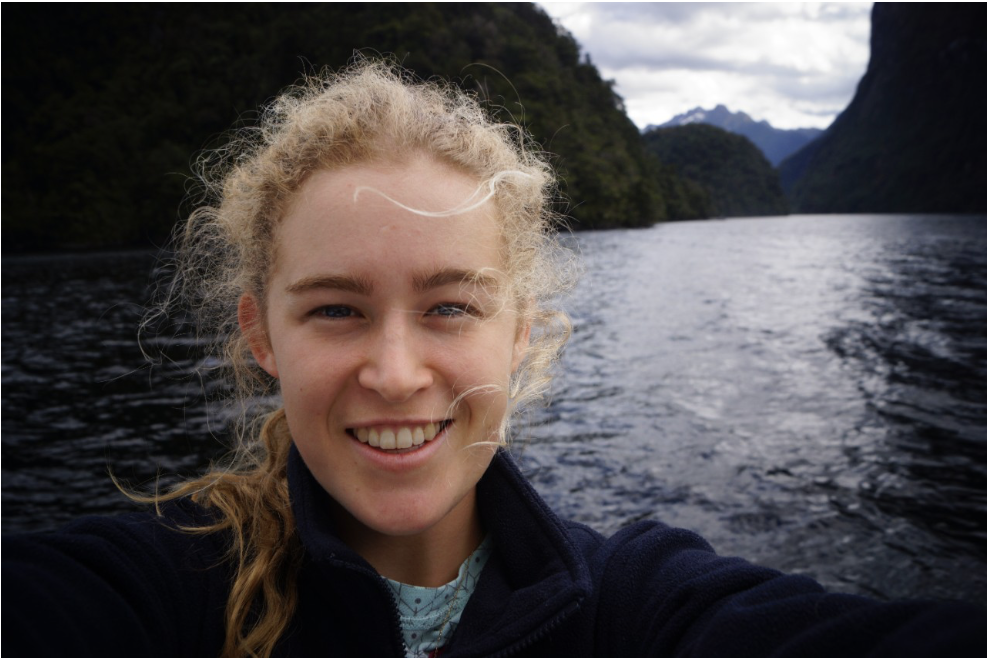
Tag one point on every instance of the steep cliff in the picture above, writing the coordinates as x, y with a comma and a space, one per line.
913, 138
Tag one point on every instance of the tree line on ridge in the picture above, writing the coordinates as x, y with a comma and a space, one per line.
105, 107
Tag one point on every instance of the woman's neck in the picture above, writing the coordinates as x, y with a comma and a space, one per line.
429, 558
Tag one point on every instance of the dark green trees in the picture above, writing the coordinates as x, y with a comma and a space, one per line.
106, 105
731, 172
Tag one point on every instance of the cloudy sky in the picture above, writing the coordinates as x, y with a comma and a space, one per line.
793, 64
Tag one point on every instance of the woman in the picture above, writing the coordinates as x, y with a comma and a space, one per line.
379, 254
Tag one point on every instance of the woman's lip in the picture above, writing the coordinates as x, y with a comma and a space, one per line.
397, 437
401, 460
395, 423
433, 427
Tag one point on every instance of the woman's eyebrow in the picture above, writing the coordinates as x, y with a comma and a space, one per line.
455, 276
421, 283
336, 282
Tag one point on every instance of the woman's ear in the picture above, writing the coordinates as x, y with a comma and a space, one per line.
521, 345
252, 325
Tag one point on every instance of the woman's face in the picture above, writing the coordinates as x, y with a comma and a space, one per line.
386, 329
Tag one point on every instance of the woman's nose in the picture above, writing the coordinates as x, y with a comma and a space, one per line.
393, 366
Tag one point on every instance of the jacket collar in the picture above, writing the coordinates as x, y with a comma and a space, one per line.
533, 580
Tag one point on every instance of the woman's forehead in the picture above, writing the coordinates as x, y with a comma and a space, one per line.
384, 216
419, 183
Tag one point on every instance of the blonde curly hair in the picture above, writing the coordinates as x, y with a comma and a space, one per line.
370, 111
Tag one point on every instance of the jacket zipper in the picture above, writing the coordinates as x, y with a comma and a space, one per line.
397, 635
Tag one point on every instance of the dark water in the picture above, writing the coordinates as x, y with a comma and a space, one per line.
807, 392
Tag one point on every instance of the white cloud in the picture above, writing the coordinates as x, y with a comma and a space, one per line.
793, 64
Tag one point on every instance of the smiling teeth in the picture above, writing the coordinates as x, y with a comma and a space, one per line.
403, 437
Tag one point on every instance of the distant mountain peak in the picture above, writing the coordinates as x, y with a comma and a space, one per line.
775, 143
720, 116
694, 116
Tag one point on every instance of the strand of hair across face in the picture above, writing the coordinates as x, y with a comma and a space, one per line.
456, 210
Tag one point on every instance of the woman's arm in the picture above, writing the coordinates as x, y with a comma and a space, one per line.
131, 585
664, 591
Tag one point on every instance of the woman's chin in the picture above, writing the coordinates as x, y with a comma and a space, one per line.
400, 521
403, 515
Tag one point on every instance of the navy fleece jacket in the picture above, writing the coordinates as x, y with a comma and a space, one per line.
135, 585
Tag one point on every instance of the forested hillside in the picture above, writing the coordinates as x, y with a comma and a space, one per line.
106, 105
733, 176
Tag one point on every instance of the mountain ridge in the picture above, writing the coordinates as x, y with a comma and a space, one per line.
101, 130
776, 143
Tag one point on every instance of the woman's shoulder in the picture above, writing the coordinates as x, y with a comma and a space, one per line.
647, 542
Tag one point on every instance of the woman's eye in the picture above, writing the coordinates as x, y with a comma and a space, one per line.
335, 312
452, 309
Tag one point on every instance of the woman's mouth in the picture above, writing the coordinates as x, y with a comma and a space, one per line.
399, 437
